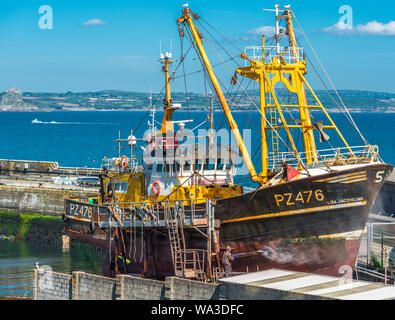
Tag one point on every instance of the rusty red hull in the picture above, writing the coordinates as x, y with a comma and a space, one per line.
330, 257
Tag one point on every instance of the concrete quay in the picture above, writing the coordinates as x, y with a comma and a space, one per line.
26, 186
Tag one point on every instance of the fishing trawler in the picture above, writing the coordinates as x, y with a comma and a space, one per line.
175, 208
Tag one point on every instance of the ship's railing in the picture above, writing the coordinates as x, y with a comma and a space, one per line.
255, 52
153, 213
115, 165
195, 259
330, 157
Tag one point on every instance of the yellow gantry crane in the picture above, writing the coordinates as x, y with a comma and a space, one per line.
291, 75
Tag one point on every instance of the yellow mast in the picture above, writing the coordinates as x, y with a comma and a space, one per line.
308, 133
186, 17
291, 75
262, 91
167, 125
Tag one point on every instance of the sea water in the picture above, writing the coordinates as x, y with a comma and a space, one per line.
18, 259
79, 139
83, 138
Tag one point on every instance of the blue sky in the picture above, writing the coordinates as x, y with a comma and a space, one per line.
120, 49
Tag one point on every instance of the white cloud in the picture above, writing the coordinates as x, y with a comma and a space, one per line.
370, 28
266, 30
375, 27
339, 28
94, 22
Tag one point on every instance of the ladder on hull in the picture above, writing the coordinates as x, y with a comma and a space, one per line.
186, 262
176, 244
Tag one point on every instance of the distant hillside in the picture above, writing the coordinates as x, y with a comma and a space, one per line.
360, 100
12, 100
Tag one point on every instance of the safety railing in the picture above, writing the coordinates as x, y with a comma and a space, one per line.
330, 157
155, 213
195, 259
290, 56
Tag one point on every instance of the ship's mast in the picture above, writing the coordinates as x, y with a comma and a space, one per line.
186, 17
277, 35
167, 124
307, 129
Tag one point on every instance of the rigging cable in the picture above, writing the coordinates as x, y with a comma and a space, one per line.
327, 75
291, 151
183, 71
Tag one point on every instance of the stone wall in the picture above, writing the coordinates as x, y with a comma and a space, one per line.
50, 285
182, 289
27, 166
93, 287
133, 288
32, 227
83, 286
37, 200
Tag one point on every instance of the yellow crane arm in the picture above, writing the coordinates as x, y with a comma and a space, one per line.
186, 17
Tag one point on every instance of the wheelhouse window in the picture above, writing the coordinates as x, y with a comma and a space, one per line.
176, 167
187, 166
198, 164
209, 164
119, 186
159, 167
220, 164
229, 165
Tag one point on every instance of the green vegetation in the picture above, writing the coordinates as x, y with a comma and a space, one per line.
18, 225
26, 220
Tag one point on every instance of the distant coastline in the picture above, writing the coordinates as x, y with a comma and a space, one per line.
13, 100
194, 110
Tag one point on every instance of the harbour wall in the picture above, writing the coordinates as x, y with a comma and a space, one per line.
385, 200
26, 186
50, 285
43, 200
32, 227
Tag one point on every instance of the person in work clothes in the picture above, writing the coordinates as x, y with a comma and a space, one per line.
227, 259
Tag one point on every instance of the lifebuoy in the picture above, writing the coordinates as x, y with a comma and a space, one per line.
124, 162
156, 187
